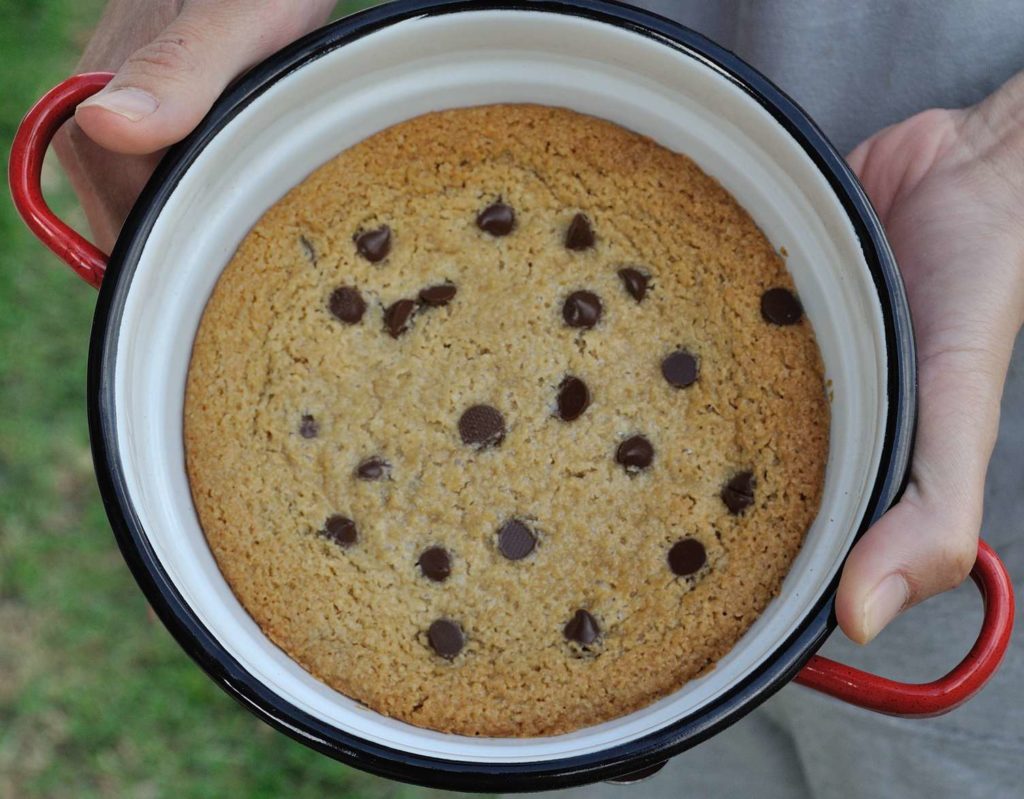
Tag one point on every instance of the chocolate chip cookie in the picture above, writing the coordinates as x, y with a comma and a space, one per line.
506, 421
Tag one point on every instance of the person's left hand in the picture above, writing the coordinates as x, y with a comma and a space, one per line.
949, 189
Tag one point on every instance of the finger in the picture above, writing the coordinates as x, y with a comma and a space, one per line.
928, 541
164, 88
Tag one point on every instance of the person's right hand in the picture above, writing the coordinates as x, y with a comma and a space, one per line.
172, 60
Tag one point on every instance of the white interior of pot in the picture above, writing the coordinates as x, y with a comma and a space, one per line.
460, 60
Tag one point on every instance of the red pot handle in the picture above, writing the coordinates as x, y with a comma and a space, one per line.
34, 134
934, 698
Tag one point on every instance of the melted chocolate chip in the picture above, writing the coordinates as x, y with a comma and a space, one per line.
446, 638
340, 529
780, 307
347, 304
397, 316
497, 219
516, 540
436, 564
635, 282
680, 369
635, 453
579, 235
738, 493
308, 426
482, 426
582, 628
573, 398
373, 469
436, 296
687, 557
374, 245
582, 309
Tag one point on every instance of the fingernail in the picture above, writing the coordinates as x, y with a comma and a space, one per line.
883, 604
132, 104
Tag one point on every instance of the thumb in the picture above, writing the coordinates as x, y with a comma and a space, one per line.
166, 87
928, 541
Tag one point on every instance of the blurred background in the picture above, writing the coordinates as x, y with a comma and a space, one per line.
96, 699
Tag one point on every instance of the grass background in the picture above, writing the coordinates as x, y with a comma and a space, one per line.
96, 700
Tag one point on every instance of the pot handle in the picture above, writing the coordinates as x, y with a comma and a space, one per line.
934, 698
30, 143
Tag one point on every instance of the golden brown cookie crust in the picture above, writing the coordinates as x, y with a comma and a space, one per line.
269, 351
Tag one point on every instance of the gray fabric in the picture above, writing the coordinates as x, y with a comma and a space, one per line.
857, 66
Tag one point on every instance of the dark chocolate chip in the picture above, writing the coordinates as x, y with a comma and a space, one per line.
436, 296
347, 304
635, 453
373, 469
516, 540
687, 557
374, 245
308, 426
397, 316
579, 235
635, 282
573, 398
446, 638
738, 493
340, 529
780, 307
482, 426
582, 309
497, 219
680, 369
582, 628
436, 564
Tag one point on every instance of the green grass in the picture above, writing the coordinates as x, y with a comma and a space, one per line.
96, 700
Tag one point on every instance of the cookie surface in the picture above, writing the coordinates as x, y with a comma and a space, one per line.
489, 427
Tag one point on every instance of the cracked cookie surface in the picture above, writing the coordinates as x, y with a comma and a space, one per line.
505, 421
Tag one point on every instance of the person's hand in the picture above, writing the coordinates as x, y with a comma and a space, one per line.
949, 188
172, 60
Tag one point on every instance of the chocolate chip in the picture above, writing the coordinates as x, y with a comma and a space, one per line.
582, 309
780, 307
436, 296
482, 426
397, 316
308, 426
446, 638
738, 493
516, 540
582, 628
347, 304
579, 235
340, 529
436, 564
497, 219
573, 398
374, 245
686, 557
373, 469
635, 453
635, 282
680, 369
